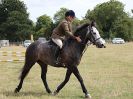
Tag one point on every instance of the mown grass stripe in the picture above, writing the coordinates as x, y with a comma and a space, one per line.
11, 60
11, 52
12, 55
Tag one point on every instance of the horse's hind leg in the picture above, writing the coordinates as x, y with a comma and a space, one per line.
25, 70
43, 75
68, 74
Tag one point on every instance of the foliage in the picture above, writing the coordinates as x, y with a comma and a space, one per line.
122, 28
14, 22
59, 15
43, 26
106, 15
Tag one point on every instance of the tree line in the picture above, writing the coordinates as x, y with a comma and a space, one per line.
111, 18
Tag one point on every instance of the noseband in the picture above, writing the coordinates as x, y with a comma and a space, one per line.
91, 33
85, 41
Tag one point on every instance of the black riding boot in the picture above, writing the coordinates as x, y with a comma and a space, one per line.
57, 55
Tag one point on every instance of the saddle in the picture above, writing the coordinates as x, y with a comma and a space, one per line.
56, 51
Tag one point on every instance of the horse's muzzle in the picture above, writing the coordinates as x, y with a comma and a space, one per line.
104, 46
100, 46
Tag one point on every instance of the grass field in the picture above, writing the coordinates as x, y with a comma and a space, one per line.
107, 74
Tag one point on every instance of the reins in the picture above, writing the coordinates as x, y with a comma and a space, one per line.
86, 46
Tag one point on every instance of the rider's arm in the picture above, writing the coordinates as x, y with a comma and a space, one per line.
66, 29
68, 32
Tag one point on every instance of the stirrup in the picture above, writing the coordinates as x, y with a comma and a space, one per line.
58, 60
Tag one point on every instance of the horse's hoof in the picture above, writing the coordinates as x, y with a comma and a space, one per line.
88, 96
50, 93
16, 90
55, 93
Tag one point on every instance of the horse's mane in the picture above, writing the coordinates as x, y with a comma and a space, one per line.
78, 32
79, 28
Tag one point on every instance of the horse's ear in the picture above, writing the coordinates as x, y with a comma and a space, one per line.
90, 28
93, 23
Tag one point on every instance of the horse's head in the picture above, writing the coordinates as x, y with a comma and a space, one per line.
88, 33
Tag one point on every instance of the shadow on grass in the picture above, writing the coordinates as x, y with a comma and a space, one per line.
38, 94
71, 97
29, 93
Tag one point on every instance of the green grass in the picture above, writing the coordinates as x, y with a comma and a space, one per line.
107, 74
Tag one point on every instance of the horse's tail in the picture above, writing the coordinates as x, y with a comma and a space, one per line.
30, 59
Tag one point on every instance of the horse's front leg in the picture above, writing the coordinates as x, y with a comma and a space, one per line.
43, 75
78, 76
67, 77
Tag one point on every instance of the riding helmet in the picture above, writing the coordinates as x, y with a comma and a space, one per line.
70, 13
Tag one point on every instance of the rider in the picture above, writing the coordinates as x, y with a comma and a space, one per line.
64, 29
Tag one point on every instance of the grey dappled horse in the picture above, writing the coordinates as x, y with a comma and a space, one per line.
72, 51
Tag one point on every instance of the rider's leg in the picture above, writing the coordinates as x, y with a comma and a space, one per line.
58, 42
58, 49
57, 52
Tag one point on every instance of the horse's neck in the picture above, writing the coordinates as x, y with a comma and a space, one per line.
72, 46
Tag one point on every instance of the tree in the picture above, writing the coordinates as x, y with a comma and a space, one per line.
3, 12
123, 28
106, 14
16, 25
43, 26
60, 15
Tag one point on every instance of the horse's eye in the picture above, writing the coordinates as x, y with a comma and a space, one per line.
94, 33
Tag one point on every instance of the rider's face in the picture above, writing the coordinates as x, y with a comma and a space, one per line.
70, 18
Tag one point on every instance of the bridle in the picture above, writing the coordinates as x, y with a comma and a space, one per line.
94, 41
89, 42
90, 32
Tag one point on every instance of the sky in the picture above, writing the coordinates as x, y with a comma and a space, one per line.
37, 8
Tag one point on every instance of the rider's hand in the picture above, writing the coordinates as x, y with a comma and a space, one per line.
78, 39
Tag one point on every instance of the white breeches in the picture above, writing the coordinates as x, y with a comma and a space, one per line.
58, 42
